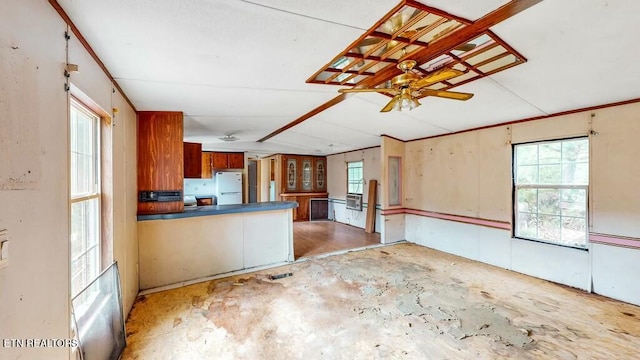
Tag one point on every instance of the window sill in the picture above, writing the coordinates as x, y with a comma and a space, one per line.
581, 248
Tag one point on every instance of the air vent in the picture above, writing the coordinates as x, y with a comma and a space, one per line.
354, 201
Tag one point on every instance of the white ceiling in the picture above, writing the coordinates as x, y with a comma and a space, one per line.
239, 67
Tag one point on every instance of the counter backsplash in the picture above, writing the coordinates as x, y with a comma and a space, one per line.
199, 186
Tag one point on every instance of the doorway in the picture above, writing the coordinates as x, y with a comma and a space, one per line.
272, 180
253, 181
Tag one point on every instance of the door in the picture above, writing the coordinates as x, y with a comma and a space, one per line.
253, 181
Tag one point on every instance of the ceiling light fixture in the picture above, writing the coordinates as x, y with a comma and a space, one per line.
229, 138
406, 101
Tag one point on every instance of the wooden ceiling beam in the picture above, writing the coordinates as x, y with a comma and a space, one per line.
336, 100
441, 46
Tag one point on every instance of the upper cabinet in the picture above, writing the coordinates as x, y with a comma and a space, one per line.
320, 174
302, 174
223, 160
192, 160
207, 164
220, 160
201, 164
160, 159
236, 160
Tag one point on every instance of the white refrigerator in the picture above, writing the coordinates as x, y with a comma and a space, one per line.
229, 188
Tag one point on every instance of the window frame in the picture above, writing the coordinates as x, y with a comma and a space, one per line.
516, 187
359, 182
86, 197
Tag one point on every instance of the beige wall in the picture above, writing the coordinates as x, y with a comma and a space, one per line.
466, 174
470, 173
264, 175
395, 148
337, 171
337, 186
34, 181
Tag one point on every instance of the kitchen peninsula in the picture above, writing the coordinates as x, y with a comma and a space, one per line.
179, 243
212, 240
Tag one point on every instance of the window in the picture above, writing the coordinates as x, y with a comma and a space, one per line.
85, 196
354, 177
551, 181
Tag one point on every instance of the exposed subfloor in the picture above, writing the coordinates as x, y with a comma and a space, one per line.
396, 302
320, 237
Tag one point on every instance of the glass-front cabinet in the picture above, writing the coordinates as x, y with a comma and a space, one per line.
302, 174
320, 177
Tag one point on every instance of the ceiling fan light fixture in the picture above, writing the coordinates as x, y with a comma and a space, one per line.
406, 101
413, 103
229, 138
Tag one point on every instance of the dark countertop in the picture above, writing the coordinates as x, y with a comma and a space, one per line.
222, 209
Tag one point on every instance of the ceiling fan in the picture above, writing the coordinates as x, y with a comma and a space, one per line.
406, 87
228, 137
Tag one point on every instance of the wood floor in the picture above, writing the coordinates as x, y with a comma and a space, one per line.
402, 301
321, 237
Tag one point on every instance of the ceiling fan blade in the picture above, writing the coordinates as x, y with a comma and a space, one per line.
442, 75
378, 90
465, 47
391, 104
447, 94
368, 42
445, 31
396, 21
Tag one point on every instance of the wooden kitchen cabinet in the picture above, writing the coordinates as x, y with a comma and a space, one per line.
223, 160
192, 160
302, 178
220, 160
301, 213
207, 164
160, 158
236, 160
302, 174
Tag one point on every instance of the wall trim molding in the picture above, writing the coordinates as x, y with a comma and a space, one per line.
614, 240
504, 225
539, 117
594, 238
74, 29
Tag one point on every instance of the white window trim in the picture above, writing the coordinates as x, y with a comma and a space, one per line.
96, 194
552, 187
360, 181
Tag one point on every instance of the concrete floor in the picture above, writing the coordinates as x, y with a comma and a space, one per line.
396, 302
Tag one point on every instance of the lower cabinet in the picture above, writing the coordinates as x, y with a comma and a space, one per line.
301, 213
260, 249
177, 250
